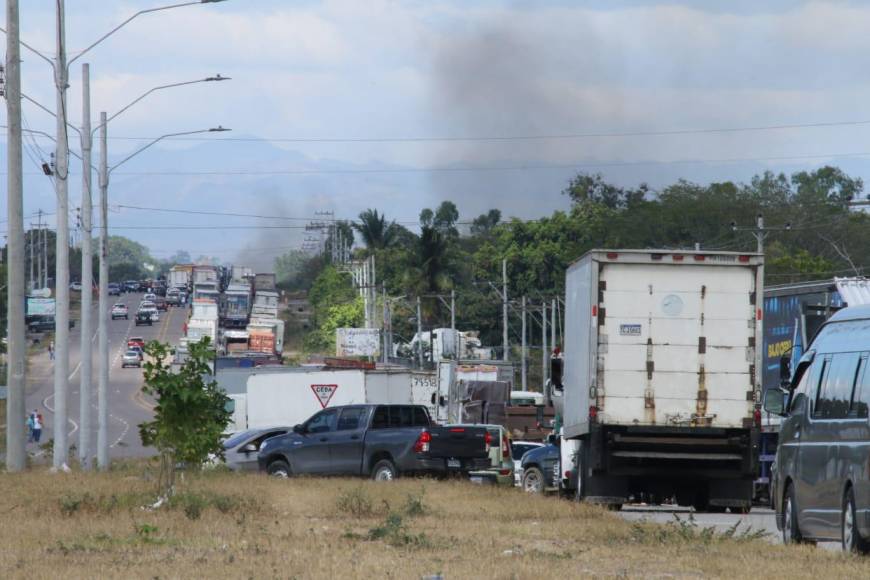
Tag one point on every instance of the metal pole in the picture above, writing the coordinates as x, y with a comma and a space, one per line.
544, 368
504, 314
523, 349
384, 327
30, 285
419, 333
103, 384
759, 235
17, 349
552, 325
61, 326
374, 292
87, 277
453, 314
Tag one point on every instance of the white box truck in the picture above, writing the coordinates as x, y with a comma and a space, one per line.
661, 383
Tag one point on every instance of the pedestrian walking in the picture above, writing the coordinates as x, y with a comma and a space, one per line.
51, 350
37, 427
30, 428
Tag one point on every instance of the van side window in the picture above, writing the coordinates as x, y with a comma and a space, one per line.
818, 389
839, 384
856, 387
861, 399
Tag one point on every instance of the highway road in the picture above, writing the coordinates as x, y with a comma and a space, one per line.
127, 407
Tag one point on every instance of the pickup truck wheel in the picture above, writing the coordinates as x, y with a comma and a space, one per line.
533, 480
279, 468
384, 470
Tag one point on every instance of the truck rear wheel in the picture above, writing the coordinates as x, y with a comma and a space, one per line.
384, 470
533, 480
279, 468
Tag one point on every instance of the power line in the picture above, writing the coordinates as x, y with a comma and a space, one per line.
509, 138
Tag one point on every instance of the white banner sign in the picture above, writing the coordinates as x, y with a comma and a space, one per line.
357, 342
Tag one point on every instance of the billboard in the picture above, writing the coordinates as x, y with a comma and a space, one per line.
40, 307
357, 342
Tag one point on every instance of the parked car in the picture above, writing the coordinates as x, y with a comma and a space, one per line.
541, 469
241, 449
76, 286
518, 449
381, 441
131, 358
114, 289
501, 467
120, 311
821, 488
143, 318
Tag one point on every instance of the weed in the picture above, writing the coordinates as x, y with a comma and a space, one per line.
147, 533
70, 504
394, 532
414, 505
355, 502
683, 531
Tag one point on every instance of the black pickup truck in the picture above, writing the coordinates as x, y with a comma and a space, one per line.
382, 441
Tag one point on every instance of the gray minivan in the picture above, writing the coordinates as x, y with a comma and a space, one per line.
822, 474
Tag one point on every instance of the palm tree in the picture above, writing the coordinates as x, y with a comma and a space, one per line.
376, 232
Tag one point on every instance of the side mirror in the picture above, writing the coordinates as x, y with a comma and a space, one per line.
552, 439
556, 366
298, 429
249, 448
785, 370
774, 401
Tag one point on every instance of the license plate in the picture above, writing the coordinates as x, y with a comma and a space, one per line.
453, 463
477, 480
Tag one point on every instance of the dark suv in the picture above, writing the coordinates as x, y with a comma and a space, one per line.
382, 441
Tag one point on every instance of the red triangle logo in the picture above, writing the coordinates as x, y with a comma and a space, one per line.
324, 393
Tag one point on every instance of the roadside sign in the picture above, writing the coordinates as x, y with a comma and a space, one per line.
324, 393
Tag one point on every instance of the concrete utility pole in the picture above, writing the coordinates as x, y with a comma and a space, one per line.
504, 314
87, 277
385, 323
523, 349
453, 316
552, 325
544, 353
30, 285
103, 304
760, 231
61, 258
419, 333
17, 347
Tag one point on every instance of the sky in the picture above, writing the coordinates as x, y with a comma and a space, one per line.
341, 105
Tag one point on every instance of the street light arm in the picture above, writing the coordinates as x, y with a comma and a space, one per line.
126, 22
51, 138
161, 138
33, 50
169, 86
50, 112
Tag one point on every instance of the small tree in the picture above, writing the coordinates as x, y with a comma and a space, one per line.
191, 414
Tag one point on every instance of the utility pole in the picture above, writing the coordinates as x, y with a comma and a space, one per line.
30, 285
103, 307
504, 306
386, 321
453, 316
523, 349
544, 369
87, 277
760, 232
419, 333
552, 325
17, 349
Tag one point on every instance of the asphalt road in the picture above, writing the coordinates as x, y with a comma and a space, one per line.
759, 519
127, 407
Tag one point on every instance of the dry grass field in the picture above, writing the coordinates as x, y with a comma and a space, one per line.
224, 525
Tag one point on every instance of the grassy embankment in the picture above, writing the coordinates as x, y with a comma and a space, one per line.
241, 526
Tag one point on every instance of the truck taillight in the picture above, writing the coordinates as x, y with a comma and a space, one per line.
612, 255
593, 413
487, 438
756, 416
505, 448
422, 443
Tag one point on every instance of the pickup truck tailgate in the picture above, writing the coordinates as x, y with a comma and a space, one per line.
458, 442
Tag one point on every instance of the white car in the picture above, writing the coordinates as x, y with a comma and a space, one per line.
518, 449
152, 310
150, 297
76, 286
120, 311
131, 358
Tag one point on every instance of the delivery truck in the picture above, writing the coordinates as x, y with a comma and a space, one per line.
660, 377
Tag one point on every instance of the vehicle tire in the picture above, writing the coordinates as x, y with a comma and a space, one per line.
851, 539
279, 468
384, 470
533, 480
791, 533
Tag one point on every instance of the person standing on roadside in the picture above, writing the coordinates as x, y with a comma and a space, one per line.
51, 350
30, 428
37, 427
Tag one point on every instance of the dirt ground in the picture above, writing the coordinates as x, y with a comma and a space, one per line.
226, 525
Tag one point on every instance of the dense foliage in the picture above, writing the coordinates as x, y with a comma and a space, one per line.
812, 231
